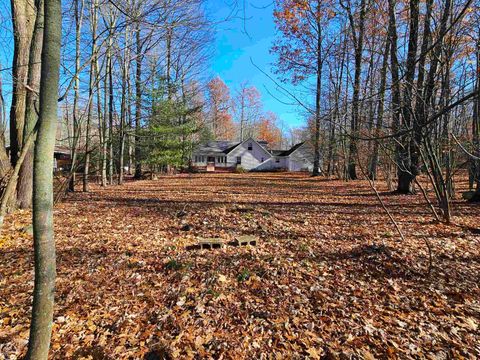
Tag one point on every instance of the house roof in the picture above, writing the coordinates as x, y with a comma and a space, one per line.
292, 149
277, 152
59, 149
217, 146
287, 152
226, 146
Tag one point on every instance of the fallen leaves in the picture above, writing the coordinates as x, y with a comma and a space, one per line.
329, 278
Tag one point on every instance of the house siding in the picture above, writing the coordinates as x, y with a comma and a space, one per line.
301, 159
251, 159
256, 159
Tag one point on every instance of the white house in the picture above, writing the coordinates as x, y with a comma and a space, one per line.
252, 155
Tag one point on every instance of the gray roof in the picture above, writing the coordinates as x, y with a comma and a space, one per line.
217, 146
286, 152
225, 146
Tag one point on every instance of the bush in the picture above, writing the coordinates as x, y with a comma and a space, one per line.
240, 170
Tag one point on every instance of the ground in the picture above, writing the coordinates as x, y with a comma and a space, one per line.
330, 277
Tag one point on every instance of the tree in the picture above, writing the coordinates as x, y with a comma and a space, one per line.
267, 130
247, 108
79, 5
301, 50
24, 187
357, 30
44, 244
23, 19
219, 103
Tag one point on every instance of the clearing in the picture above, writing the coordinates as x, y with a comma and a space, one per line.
330, 275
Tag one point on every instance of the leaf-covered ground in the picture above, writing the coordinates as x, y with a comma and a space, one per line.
329, 279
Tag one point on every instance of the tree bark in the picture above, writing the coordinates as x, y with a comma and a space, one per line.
475, 163
12, 181
92, 80
44, 244
23, 19
396, 97
110, 115
406, 172
25, 179
123, 110
355, 119
380, 110
138, 101
4, 160
318, 94
76, 118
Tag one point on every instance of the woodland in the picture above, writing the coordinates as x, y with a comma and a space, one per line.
373, 254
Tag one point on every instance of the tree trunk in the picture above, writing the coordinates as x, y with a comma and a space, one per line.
12, 181
123, 110
44, 244
406, 171
318, 94
475, 163
138, 102
4, 160
93, 75
76, 88
25, 180
396, 98
355, 120
23, 19
381, 102
110, 116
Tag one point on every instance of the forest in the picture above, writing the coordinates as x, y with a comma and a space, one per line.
125, 204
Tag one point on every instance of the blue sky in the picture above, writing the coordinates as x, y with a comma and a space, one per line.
239, 42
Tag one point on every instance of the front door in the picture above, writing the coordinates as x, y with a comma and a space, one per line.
210, 163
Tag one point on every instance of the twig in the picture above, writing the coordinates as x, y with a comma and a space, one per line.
372, 186
424, 193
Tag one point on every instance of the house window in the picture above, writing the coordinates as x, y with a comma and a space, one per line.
263, 160
277, 160
250, 146
239, 160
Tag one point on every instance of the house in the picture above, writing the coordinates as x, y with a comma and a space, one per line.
62, 160
251, 155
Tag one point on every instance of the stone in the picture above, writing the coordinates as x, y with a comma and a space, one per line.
211, 243
247, 240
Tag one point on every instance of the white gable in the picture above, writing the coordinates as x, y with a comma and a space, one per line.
250, 154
